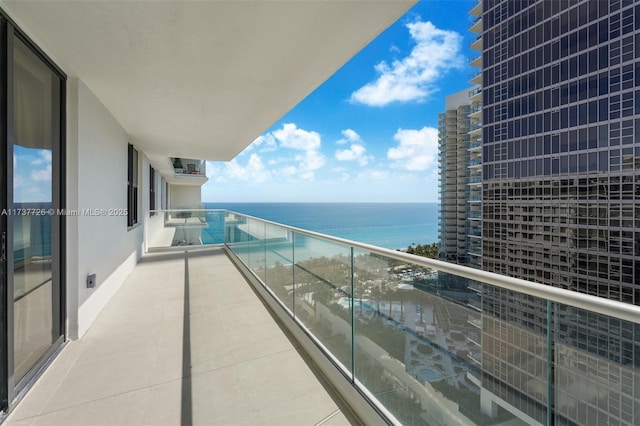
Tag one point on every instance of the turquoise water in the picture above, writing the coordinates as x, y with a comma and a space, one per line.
428, 375
389, 225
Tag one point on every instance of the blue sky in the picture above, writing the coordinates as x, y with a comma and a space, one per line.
369, 133
32, 174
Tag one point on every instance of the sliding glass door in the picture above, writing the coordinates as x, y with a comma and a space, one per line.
32, 195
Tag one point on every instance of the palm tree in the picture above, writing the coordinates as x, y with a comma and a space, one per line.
376, 294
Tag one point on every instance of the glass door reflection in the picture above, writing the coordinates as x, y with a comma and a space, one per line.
36, 295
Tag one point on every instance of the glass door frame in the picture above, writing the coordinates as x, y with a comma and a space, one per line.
10, 387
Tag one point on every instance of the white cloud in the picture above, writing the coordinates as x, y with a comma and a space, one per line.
354, 153
348, 136
211, 169
263, 143
290, 136
254, 170
288, 171
413, 78
416, 150
374, 174
43, 175
44, 158
310, 161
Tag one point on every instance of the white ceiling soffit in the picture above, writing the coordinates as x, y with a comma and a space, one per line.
201, 79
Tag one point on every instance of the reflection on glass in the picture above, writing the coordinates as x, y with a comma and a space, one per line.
279, 263
36, 131
436, 348
236, 236
322, 288
597, 368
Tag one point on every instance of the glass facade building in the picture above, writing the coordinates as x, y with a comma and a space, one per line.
561, 203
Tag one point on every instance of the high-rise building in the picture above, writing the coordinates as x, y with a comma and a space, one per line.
453, 147
460, 166
561, 204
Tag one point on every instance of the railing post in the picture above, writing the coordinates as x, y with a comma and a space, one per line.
550, 402
293, 273
353, 323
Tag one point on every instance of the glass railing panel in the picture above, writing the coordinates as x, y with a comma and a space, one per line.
187, 224
213, 233
279, 263
515, 354
418, 343
322, 290
236, 235
188, 227
597, 368
256, 247
437, 348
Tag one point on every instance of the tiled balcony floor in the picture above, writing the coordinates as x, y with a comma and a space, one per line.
184, 341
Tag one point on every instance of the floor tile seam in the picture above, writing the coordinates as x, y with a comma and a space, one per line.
328, 417
311, 376
237, 352
236, 364
330, 405
40, 409
67, 370
148, 387
290, 403
101, 358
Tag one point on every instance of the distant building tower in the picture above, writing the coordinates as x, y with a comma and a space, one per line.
460, 219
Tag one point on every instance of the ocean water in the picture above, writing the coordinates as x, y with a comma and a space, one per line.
389, 225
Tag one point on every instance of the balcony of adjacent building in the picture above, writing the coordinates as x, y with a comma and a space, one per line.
475, 143
476, 25
475, 197
186, 171
475, 180
475, 94
476, 60
476, 43
476, 109
476, 10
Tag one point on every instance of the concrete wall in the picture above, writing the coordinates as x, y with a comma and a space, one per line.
183, 196
97, 179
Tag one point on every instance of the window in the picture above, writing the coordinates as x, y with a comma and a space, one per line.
152, 190
132, 187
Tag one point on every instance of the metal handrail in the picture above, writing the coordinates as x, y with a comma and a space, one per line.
588, 302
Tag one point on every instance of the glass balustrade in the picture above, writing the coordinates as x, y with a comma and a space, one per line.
430, 346
434, 347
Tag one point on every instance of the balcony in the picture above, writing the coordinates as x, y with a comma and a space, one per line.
184, 341
476, 44
476, 94
391, 325
188, 172
476, 25
476, 10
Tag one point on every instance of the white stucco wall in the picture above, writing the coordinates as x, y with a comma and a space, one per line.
97, 179
183, 196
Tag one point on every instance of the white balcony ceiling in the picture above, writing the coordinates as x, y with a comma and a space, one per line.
201, 79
